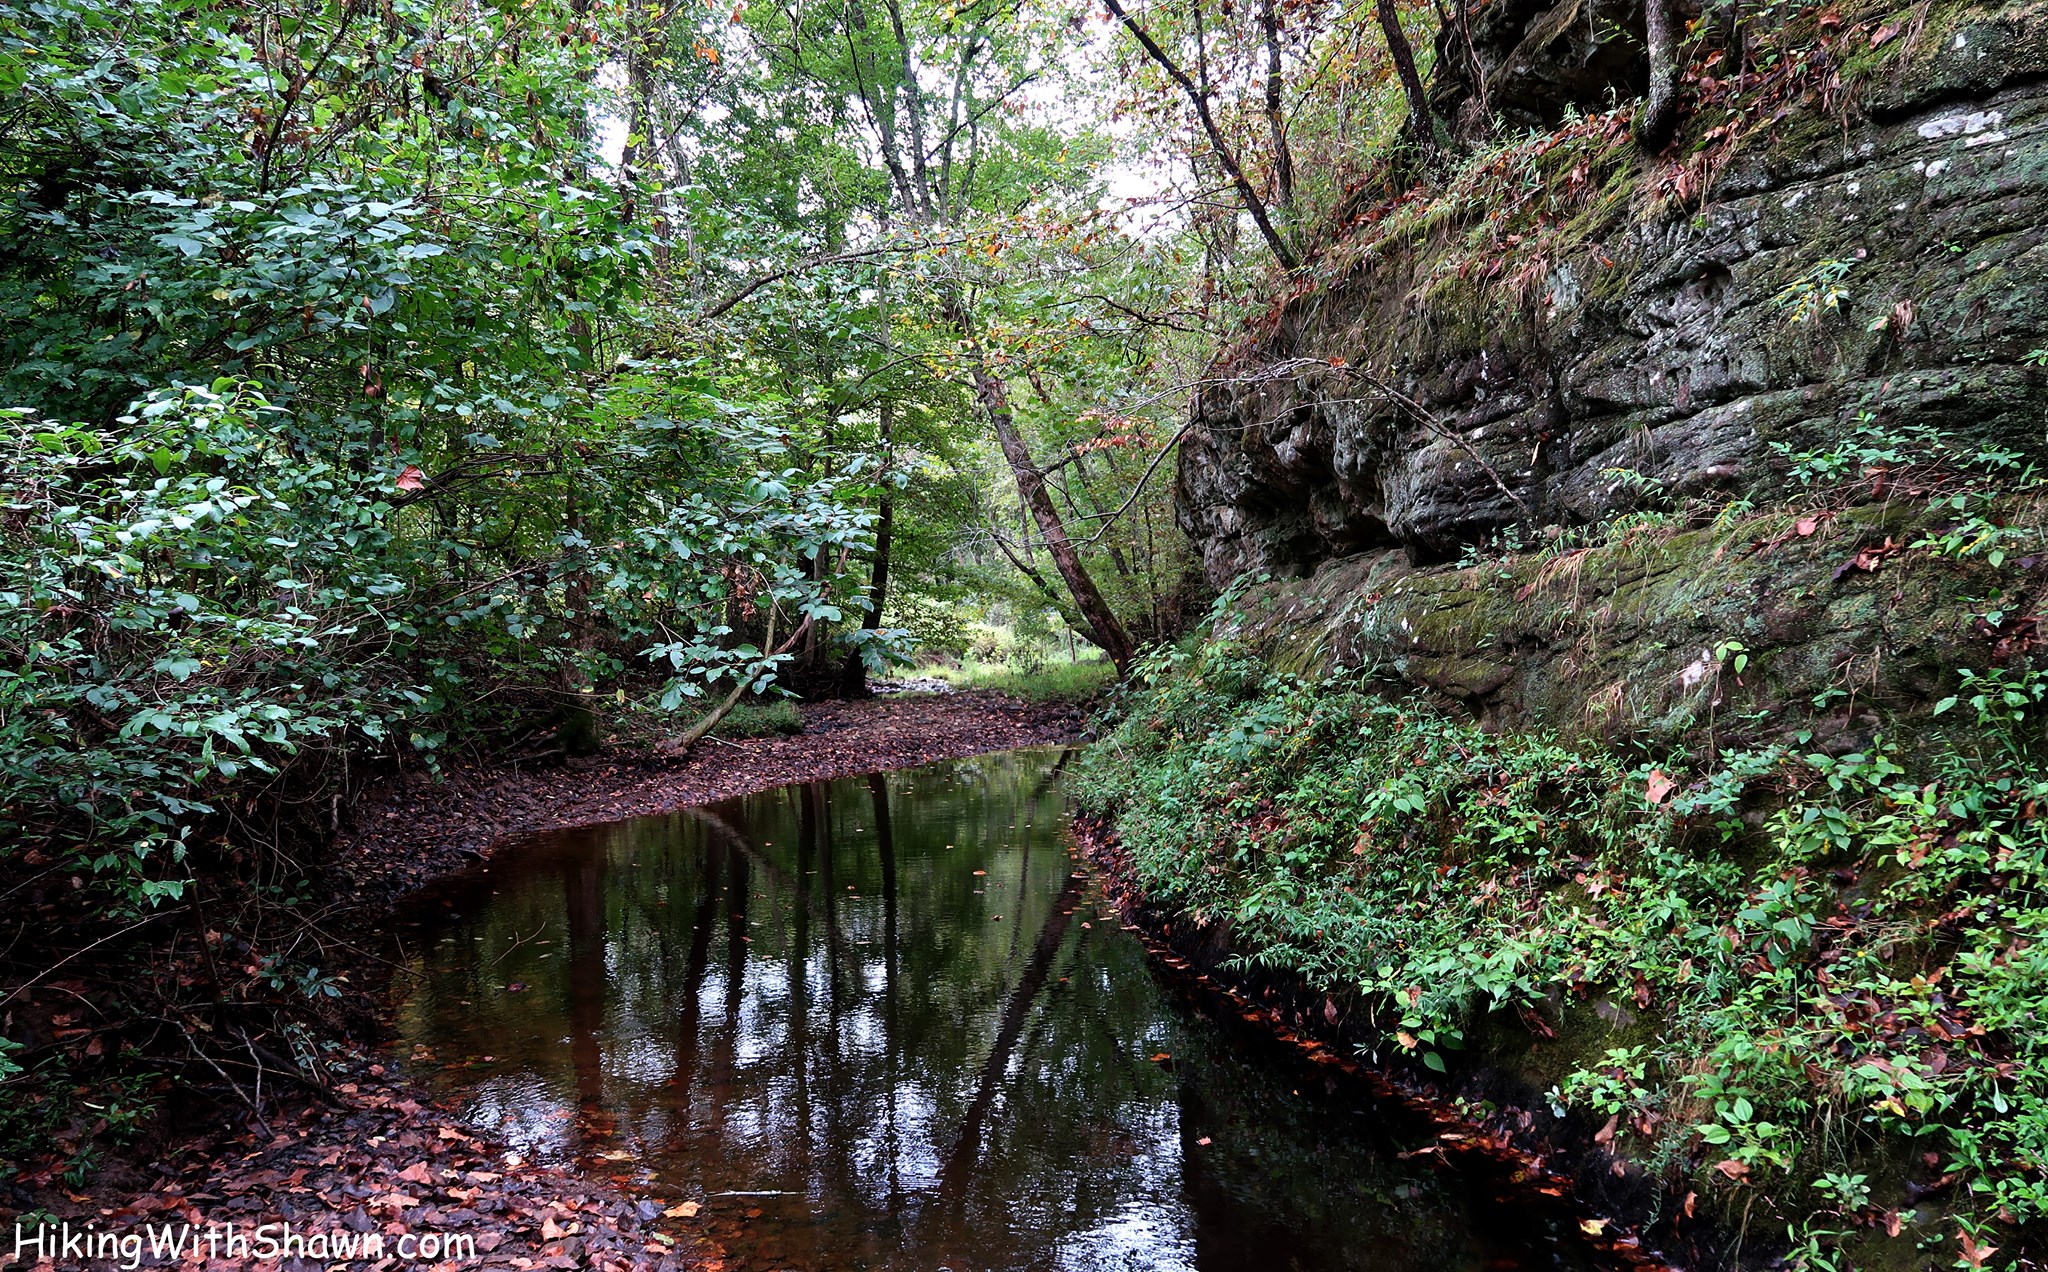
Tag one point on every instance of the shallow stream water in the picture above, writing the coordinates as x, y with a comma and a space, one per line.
887, 1023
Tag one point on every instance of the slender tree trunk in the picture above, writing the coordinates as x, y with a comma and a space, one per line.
853, 680
1421, 124
913, 94
880, 104
1198, 97
640, 118
1660, 111
1116, 556
1102, 621
577, 729
1276, 120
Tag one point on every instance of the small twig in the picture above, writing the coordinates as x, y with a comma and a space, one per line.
518, 941
258, 1062
1425, 418
234, 1086
25, 986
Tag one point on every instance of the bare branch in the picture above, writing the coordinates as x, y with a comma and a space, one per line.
1217, 143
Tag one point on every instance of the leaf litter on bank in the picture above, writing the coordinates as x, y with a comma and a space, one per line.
381, 1162
414, 830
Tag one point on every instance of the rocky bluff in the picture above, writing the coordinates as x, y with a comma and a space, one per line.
1846, 252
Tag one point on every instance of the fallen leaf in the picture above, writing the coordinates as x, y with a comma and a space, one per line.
683, 1210
416, 1173
1732, 1168
1592, 1227
1660, 787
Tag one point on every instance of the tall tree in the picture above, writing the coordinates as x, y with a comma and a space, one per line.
1198, 96
935, 142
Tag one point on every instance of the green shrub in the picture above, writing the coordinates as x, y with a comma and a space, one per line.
1868, 968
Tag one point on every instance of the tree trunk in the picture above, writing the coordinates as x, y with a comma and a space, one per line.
1276, 121
577, 727
1101, 620
1660, 111
853, 677
1421, 123
1198, 97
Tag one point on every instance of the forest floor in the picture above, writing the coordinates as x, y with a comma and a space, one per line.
376, 1156
410, 831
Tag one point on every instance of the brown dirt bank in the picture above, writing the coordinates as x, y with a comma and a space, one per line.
410, 831
376, 1155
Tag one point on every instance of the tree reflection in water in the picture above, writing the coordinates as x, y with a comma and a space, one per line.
887, 1010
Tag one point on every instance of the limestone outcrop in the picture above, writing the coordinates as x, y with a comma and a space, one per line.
1880, 259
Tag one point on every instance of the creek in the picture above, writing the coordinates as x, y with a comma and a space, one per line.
889, 1023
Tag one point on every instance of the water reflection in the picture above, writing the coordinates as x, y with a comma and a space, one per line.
880, 1023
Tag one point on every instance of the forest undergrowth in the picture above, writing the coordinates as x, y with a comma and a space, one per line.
1796, 975
1818, 989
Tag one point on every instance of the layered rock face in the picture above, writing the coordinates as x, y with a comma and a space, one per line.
1877, 260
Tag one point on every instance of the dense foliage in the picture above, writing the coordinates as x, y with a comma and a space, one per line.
385, 381
1817, 955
